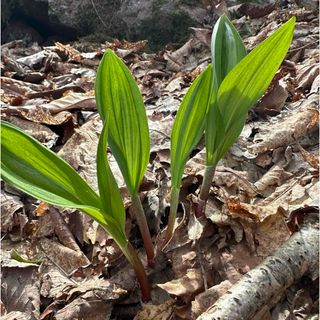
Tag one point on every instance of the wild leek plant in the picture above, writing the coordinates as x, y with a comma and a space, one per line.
27, 165
237, 82
119, 99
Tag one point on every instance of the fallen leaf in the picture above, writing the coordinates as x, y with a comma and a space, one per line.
40, 132
273, 101
187, 286
288, 127
10, 205
164, 311
20, 290
67, 259
85, 307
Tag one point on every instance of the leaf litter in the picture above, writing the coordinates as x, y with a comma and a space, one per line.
263, 188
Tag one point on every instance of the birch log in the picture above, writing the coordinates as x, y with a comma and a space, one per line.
297, 257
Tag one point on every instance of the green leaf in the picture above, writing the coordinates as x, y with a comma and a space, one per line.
110, 196
227, 49
241, 88
250, 78
27, 165
36, 170
119, 99
189, 123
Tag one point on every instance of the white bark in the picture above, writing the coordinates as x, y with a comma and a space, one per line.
297, 257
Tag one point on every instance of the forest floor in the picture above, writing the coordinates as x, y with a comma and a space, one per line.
59, 264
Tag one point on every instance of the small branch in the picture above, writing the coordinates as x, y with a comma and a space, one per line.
144, 229
205, 188
172, 215
133, 258
297, 257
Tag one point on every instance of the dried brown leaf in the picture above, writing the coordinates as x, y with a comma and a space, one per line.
273, 101
10, 205
164, 311
309, 157
187, 286
20, 291
285, 129
66, 259
40, 132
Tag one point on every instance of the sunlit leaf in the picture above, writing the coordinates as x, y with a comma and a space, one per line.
188, 126
250, 78
27, 165
119, 99
111, 200
36, 170
227, 49
241, 88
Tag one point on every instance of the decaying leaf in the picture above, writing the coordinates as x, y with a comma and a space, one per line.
67, 259
40, 132
10, 205
187, 286
287, 128
164, 311
264, 227
85, 307
20, 291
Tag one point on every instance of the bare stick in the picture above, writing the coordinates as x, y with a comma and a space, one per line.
298, 256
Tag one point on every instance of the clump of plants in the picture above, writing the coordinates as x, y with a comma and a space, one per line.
215, 105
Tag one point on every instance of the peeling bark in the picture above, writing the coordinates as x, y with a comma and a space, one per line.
297, 257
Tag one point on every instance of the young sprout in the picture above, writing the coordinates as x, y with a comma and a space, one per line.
119, 99
239, 81
218, 103
186, 132
27, 165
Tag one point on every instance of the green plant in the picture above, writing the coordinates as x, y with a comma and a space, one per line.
119, 99
238, 81
216, 103
29, 166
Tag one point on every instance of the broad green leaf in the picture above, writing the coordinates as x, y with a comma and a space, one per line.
250, 78
119, 99
29, 166
227, 49
111, 200
189, 123
241, 88
214, 133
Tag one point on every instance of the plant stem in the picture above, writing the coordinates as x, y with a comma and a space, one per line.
205, 188
144, 229
173, 213
133, 258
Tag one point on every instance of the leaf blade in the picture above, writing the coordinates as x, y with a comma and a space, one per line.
38, 171
188, 126
227, 49
250, 78
110, 196
118, 98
